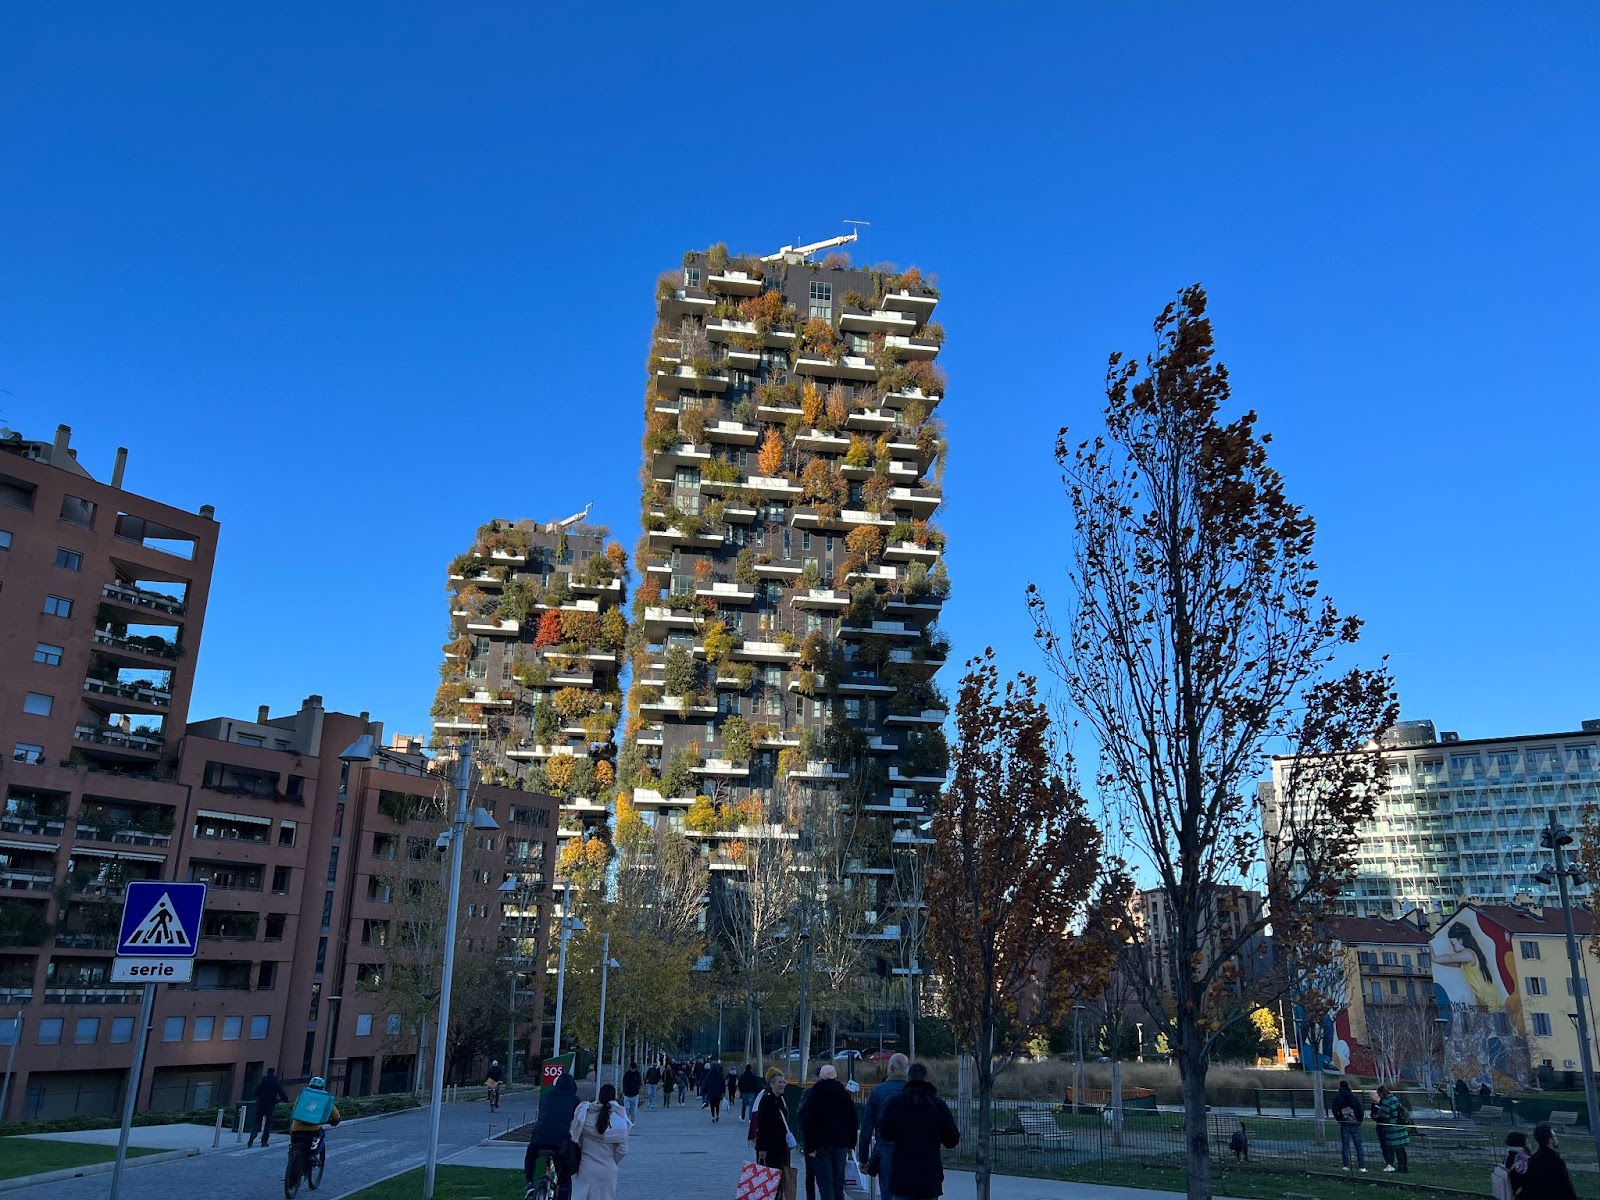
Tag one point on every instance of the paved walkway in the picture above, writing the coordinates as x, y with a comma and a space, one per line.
678, 1152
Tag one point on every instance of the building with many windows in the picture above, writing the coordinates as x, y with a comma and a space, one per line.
1461, 819
791, 575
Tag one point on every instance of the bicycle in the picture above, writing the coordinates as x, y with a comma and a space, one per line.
315, 1162
548, 1184
492, 1089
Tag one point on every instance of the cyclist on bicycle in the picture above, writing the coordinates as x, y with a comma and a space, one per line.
313, 1109
549, 1138
493, 1082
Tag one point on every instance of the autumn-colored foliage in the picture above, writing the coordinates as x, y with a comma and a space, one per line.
581, 627
549, 632
559, 770
583, 863
766, 310
770, 458
810, 404
575, 703
818, 336
864, 542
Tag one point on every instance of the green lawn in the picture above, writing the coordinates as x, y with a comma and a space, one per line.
29, 1156
452, 1183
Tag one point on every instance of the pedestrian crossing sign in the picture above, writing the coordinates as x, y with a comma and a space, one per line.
161, 920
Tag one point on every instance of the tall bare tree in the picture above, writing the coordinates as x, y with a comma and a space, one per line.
1015, 863
1199, 640
760, 905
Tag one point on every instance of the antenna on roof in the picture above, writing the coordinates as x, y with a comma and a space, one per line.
798, 254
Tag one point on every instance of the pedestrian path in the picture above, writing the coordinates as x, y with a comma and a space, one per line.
678, 1151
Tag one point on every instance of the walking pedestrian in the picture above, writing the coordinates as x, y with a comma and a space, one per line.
1347, 1111
870, 1143
269, 1094
713, 1089
601, 1129
669, 1080
749, 1089
1393, 1113
682, 1077
917, 1123
730, 1087
652, 1081
1462, 1099
828, 1130
632, 1081
774, 1139
1547, 1177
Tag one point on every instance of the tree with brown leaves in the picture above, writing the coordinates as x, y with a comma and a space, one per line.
1015, 861
1200, 640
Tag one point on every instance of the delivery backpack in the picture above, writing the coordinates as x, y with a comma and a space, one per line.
313, 1107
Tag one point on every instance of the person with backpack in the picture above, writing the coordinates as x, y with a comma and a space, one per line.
1397, 1118
1506, 1180
313, 1108
1347, 1111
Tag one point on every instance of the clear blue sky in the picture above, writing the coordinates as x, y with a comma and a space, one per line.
364, 275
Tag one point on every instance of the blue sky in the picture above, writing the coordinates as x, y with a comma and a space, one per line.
364, 276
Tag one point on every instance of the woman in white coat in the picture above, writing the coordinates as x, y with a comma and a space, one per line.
601, 1129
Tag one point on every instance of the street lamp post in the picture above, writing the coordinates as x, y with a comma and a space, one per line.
569, 926
1077, 1085
606, 963
1557, 838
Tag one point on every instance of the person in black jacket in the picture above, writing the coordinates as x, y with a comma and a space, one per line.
712, 1086
269, 1094
652, 1080
749, 1089
551, 1132
773, 1138
828, 1130
1547, 1177
632, 1081
917, 1123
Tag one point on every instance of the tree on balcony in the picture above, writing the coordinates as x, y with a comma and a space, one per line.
22, 924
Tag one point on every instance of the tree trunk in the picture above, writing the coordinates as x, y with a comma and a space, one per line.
1317, 1101
982, 1143
1116, 1095
1197, 1149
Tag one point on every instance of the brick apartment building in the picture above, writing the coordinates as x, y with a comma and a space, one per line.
102, 597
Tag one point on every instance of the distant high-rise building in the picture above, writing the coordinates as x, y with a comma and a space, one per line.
791, 575
1461, 819
530, 676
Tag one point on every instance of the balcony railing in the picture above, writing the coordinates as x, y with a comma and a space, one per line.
92, 995
86, 941
152, 645
134, 597
123, 691
26, 881
148, 742
38, 826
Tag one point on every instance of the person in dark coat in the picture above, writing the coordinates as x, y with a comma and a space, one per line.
652, 1080
712, 1086
1348, 1112
917, 1123
877, 1102
828, 1130
730, 1086
550, 1132
269, 1094
1546, 1177
772, 1123
749, 1089
632, 1082
1463, 1098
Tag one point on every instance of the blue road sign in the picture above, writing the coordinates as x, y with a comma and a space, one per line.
161, 920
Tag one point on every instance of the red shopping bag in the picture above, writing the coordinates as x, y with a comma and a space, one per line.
758, 1183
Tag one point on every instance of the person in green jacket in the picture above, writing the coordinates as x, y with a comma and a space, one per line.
1396, 1128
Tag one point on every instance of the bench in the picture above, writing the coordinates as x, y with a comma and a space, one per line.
1558, 1119
1489, 1113
1042, 1125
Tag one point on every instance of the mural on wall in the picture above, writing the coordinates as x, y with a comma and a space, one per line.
1474, 981
1325, 1045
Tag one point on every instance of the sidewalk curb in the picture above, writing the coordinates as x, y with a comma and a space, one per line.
397, 1174
22, 1181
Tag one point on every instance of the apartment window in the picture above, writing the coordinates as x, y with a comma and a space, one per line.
275, 923
393, 1024
363, 1024
1391, 959
86, 1031
27, 752
267, 977
57, 606
1536, 986
172, 1029
822, 300
50, 656
327, 909
1530, 950
232, 1027
245, 739
70, 559
38, 704
121, 1030
286, 832
1424, 961
204, 1027
259, 1027
50, 1031
280, 880
77, 510
5, 539
1377, 992
1583, 986
691, 277
1541, 1024
333, 864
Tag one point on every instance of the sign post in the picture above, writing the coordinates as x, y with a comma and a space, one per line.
160, 930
